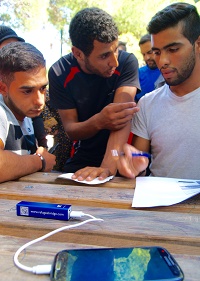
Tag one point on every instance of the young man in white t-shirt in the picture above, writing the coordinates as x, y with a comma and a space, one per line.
167, 124
23, 84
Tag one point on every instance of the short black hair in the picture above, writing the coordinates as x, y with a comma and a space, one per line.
145, 38
173, 14
19, 56
92, 24
123, 44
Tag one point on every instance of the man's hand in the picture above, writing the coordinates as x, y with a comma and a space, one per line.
115, 116
90, 173
50, 159
129, 166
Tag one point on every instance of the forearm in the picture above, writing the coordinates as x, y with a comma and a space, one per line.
13, 166
116, 141
81, 130
112, 117
118, 138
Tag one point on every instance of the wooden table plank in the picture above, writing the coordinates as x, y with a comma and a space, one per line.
86, 195
44, 252
177, 228
40, 253
179, 232
68, 194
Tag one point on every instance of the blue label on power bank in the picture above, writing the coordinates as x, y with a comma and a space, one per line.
44, 210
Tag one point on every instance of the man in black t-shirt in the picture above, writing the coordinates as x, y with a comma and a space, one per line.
93, 89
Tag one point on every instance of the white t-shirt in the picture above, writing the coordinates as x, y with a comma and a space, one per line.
172, 124
16, 136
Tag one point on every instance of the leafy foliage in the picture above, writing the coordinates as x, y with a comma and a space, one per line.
130, 16
27, 14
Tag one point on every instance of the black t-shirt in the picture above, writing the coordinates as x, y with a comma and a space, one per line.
70, 87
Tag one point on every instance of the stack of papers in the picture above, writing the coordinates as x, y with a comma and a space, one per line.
158, 191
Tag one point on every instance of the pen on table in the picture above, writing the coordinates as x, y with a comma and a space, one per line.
53, 148
134, 154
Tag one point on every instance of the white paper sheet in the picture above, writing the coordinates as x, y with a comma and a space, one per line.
158, 191
95, 181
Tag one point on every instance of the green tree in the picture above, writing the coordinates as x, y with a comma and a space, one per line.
130, 16
27, 14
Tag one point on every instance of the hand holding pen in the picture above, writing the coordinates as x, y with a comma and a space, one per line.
134, 154
131, 162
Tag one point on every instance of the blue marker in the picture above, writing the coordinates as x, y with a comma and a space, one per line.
134, 154
145, 154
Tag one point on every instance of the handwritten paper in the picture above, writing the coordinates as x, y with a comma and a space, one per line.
95, 181
158, 191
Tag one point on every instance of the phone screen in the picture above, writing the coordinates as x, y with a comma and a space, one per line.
115, 264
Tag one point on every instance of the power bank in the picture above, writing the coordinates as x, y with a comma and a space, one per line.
43, 210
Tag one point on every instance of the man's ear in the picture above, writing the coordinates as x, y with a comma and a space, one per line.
3, 88
198, 43
78, 54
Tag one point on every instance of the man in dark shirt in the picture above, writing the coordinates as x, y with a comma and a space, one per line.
93, 89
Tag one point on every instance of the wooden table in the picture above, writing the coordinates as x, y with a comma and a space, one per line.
176, 228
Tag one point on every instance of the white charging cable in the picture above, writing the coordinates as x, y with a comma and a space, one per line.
46, 268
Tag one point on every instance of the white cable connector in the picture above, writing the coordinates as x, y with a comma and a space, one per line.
76, 214
42, 269
46, 269
79, 214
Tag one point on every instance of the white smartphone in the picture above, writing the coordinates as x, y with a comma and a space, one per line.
116, 264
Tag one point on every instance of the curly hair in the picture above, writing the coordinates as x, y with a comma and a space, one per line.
173, 14
92, 24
